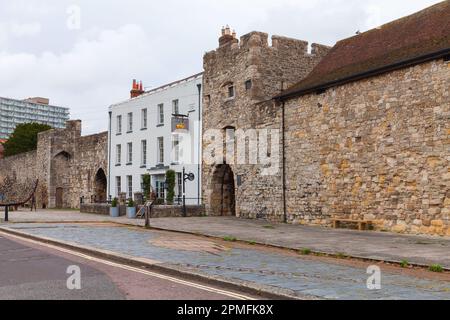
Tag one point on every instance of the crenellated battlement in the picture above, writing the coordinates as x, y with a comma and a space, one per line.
229, 43
259, 68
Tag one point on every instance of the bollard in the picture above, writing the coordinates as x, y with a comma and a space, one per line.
147, 218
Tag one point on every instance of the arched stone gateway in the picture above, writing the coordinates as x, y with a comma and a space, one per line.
60, 180
223, 201
100, 185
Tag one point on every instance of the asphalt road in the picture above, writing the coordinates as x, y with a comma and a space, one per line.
30, 271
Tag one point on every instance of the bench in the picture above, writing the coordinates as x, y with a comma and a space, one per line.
362, 224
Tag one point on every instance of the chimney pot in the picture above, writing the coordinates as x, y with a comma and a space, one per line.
227, 36
137, 89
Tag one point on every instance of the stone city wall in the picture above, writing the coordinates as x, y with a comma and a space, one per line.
376, 149
67, 165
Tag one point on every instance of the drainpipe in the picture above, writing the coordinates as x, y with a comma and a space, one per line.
199, 87
109, 156
283, 143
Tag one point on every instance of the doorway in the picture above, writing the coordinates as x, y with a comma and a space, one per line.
100, 186
59, 198
223, 201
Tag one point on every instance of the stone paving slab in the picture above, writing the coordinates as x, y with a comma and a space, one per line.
420, 250
306, 277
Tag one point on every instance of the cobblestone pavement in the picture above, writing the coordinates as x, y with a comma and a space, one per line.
305, 276
424, 250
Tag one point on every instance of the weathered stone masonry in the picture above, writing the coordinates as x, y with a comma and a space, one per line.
269, 69
367, 132
375, 149
67, 165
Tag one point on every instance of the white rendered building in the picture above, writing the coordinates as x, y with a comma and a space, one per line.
153, 132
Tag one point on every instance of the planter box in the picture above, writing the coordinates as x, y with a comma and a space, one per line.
131, 213
114, 212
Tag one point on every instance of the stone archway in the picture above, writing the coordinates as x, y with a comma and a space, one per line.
60, 183
100, 185
223, 198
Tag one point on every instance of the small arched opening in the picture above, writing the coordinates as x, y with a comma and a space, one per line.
223, 201
100, 185
60, 180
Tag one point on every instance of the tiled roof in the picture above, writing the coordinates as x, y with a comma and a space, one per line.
420, 37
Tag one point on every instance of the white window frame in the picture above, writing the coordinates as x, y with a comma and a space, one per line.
129, 187
143, 152
176, 148
160, 150
118, 185
129, 152
119, 124
176, 106
160, 114
130, 122
144, 117
118, 154
160, 190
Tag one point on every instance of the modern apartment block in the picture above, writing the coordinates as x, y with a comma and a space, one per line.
153, 132
14, 112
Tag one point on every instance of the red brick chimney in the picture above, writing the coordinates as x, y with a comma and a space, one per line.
137, 89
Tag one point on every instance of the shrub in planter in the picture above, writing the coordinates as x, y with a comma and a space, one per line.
114, 210
131, 209
170, 179
147, 186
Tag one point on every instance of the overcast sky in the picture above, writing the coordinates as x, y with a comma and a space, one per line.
87, 65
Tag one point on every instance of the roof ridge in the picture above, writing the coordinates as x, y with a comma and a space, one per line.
411, 39
399, 20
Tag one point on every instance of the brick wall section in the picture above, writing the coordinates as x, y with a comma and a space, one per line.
374, 149
270, 68
63, 159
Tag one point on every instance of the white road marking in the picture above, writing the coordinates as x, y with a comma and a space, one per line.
137, 270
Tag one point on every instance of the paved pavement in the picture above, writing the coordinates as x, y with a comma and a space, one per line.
35, 272
424, 250
275, 268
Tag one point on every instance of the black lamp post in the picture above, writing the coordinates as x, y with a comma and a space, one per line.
190, 177
2, 198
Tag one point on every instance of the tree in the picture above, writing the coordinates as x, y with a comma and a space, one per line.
170, 179
24, 138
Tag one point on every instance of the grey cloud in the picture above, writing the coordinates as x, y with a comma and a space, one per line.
156, 41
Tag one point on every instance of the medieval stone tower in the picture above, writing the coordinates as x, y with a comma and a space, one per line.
240, 79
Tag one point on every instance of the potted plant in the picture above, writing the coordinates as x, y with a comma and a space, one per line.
114, 210
131, 209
